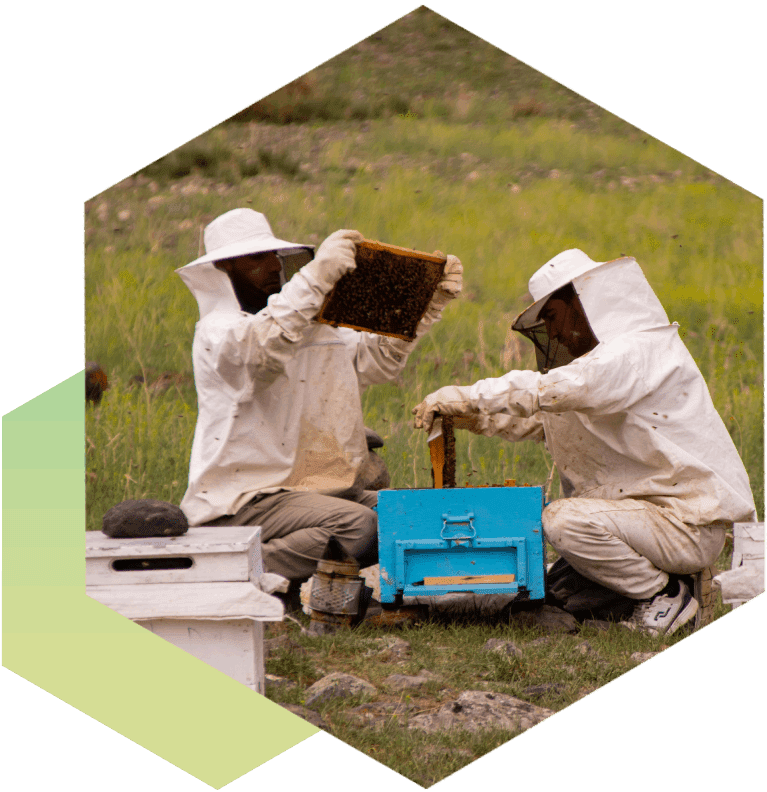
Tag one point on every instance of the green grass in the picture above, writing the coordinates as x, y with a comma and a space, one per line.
452, 650
699, 243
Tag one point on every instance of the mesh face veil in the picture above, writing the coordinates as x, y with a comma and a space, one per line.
549, 353
563, 316
292, 260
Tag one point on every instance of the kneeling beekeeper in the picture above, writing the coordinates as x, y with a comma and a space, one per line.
650, 475
280, 435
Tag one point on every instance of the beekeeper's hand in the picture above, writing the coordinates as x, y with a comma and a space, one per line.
450, 400
447, 289
451, 284
334, 258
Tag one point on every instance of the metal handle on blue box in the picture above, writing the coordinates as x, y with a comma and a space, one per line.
466, 519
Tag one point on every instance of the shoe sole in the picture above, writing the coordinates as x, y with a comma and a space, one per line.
686, 614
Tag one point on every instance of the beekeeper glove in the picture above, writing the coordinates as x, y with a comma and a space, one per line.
301, 298
447, 289
450, 400
451, 284
334, 258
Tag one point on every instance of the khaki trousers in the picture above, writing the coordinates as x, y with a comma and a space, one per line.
629, 546
296, 527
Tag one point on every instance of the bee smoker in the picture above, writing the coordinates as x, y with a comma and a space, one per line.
338, 595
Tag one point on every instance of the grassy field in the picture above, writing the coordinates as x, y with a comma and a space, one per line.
551, 671
476, 155
488, 194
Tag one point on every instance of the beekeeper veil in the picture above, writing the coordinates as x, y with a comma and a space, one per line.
615, 296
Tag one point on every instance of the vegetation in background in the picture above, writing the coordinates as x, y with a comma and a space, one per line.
431, 68
489, 194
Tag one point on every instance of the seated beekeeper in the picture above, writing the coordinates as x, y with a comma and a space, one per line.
650, 476
280, 435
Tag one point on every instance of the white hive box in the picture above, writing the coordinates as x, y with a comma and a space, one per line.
745, 580
200, 591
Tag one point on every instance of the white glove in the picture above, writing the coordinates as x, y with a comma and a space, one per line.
334, 258
451, 284
447, 289
450, 400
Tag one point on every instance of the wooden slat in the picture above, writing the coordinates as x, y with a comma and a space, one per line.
437, 453
466, 580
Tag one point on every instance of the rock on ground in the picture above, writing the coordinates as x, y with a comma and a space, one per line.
539, 691
336, 685
399, 682
640, 657
308, 715
501, 647
585, 648
375, 715
274, 682
475, 710
547, 617
390, 648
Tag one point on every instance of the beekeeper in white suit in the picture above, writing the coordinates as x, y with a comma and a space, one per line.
650, 475
280, 436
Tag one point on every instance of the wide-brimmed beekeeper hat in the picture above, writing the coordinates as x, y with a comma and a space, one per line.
561, 270
241, 232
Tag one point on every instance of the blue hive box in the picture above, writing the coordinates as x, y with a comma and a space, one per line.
461, 534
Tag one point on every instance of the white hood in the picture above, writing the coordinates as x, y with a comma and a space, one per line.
615, 294
211, 288
617, 299
633, 417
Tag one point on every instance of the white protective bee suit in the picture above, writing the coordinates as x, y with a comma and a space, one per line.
279, 407
650, 475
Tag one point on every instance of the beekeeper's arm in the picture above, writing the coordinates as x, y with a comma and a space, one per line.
255, 348
507, 427
605, 381
381, 358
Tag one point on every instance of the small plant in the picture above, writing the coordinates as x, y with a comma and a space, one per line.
296, 666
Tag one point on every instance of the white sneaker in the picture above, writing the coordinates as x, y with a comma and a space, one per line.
663, 614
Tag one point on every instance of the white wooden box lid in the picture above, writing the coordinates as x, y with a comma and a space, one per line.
182, 601
221, 539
